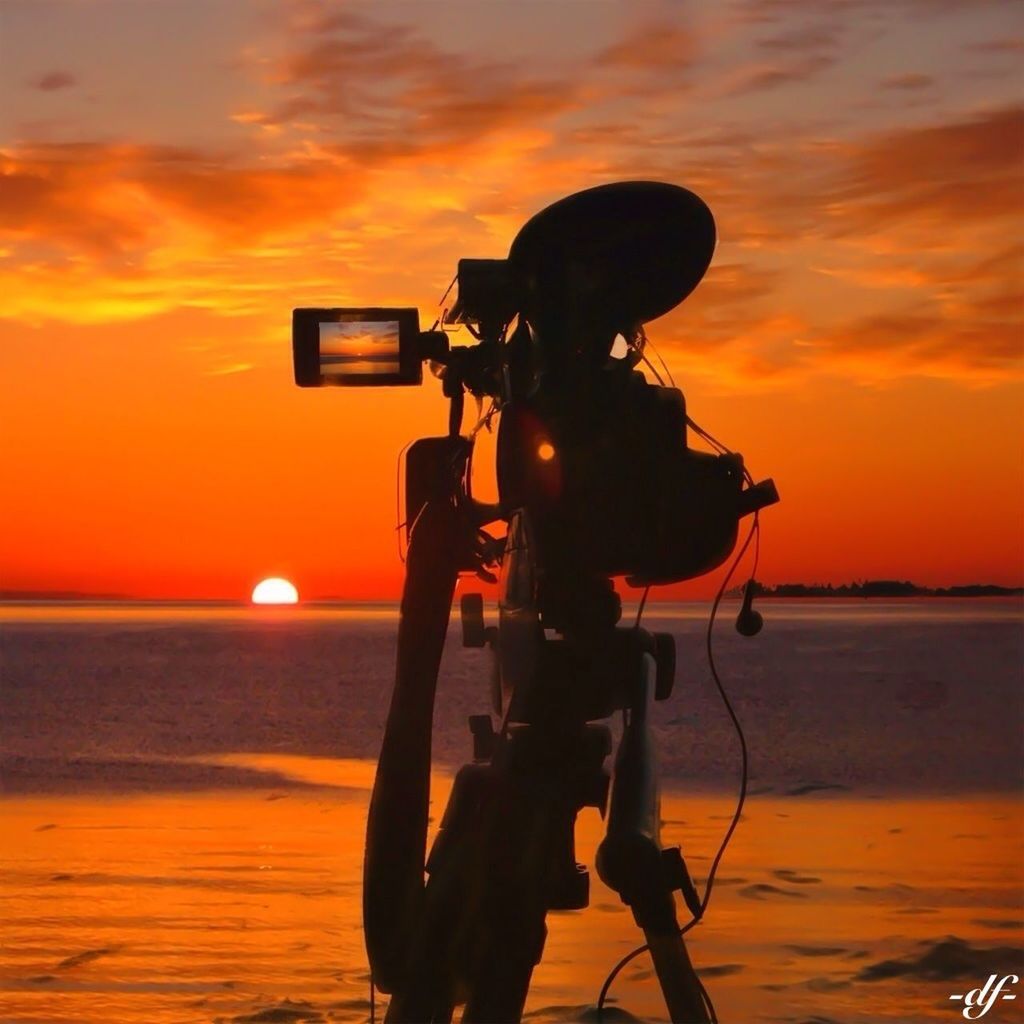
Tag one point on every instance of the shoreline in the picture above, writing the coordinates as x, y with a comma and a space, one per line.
127, 777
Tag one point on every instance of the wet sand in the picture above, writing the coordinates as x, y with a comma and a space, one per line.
244, 906
185, 802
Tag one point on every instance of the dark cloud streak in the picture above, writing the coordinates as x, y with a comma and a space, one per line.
656, 46
54, 80
908, 81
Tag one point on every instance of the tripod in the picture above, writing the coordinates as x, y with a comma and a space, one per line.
596, 480
505, 852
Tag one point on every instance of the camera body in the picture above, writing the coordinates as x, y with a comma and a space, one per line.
611, 487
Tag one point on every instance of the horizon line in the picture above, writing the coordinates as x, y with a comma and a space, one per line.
55, 596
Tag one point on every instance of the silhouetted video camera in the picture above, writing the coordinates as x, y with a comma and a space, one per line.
595, 454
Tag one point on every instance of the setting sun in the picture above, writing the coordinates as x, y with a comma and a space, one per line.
275, 591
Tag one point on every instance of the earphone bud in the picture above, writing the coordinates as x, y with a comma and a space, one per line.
749, 622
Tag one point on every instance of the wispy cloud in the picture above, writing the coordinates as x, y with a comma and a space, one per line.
948, 174
1009, 46
383, 90
909, 80
655, 46
231, 368
393, 154
757, 78
54, 80
107, 200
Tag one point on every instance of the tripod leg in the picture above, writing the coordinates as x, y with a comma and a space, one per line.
501, 986
427, 993
679, 983
433, 970
630, 861
511, 922
436, 962
528, 847
481, 930
396, 832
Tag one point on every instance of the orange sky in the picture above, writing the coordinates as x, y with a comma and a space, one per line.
182, 175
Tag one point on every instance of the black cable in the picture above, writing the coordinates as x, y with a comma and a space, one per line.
664, 365
722, 449
757, 547
708, 1005
717, 445
711, 440
444, 312
451, 285
624, 962
643, 603
652, 368
741, 799
744, 759
484, 420
399, 521
373, 1001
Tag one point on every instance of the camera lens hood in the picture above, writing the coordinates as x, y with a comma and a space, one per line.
631, 251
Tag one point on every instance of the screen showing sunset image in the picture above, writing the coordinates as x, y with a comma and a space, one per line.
360, 348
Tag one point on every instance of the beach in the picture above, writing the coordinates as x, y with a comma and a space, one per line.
185, 790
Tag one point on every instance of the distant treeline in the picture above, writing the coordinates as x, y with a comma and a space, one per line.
885, 588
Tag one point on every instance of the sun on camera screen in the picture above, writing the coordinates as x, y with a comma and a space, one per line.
359, 348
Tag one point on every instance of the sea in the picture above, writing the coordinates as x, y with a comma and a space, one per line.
184, 793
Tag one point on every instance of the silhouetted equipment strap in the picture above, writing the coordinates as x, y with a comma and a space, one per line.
396, 834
